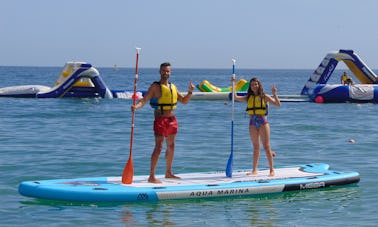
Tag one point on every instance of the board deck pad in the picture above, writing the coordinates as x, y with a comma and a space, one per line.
219, 177
190, 186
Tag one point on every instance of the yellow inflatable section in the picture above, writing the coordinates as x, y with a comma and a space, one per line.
83, 82
206, 86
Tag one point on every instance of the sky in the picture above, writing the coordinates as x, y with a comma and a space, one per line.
259, 34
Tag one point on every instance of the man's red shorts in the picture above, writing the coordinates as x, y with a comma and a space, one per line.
165, 126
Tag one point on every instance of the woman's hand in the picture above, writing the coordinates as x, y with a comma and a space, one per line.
274, 90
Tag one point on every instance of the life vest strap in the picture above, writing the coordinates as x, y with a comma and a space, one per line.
256, 108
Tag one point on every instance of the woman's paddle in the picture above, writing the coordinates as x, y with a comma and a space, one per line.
128, 171
230, 159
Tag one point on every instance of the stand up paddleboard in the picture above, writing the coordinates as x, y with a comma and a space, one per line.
191, 186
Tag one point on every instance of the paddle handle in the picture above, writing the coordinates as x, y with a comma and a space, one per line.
233, 89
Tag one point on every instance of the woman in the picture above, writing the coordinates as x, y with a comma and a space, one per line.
257, 108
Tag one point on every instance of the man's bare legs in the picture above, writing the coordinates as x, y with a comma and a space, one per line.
169, 155
155, 158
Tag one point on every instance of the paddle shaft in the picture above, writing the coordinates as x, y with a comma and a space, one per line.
134, 102
233, 106
128, 172
231, 157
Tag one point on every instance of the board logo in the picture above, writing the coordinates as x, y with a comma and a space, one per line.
142, 196
312, 185
220, 192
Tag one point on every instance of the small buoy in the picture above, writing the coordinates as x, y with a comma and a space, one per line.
351, 140
319, 99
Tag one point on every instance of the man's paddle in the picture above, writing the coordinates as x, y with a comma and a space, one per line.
230, 159
128, 171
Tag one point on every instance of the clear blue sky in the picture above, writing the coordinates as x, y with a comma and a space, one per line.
263, 34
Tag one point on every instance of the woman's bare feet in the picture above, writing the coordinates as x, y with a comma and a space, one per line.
254, 172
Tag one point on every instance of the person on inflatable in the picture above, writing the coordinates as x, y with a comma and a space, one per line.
345, 79
259, 129
163, 96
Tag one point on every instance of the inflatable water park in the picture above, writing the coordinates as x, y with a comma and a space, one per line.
200, 185
82, 80
319, 91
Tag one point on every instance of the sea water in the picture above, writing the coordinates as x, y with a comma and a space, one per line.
69, 138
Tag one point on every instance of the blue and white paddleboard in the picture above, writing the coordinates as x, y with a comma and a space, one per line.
190, 186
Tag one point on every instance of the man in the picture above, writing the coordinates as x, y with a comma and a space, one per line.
163, 97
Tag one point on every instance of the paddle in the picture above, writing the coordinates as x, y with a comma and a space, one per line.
128, 171
230, 159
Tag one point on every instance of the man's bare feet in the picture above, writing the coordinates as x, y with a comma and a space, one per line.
271, 174
254, 172
171, 176
154, 180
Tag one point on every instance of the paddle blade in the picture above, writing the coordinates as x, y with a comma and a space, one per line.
229, 165
128, 172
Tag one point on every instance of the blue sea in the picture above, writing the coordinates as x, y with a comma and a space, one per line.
69, 138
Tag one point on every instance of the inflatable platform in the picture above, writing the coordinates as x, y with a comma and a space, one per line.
77, 79
206, 86
191, 186
319, 91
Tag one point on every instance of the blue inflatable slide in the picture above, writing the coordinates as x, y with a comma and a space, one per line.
319, 91
77, 79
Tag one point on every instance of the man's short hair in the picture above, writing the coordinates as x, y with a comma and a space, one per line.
165, 64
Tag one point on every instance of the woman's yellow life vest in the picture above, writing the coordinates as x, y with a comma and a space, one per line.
256, 106
168, 98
